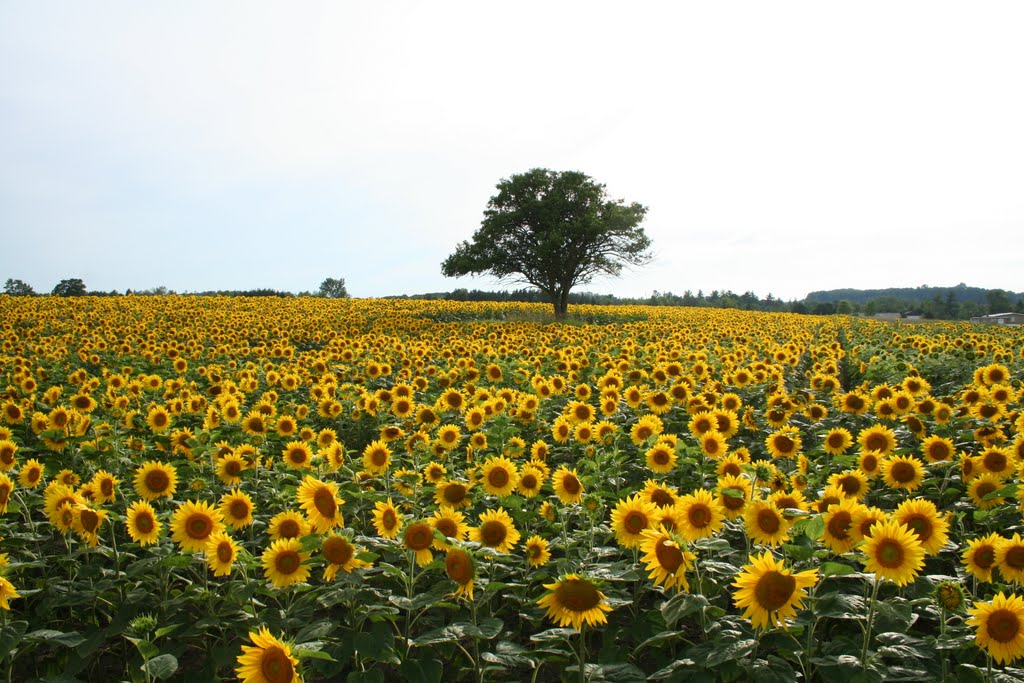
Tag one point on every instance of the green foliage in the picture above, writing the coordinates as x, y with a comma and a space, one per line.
70, 287
333, 288
16, 287
553, 230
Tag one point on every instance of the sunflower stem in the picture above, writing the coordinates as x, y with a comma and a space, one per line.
871, 618
581, 654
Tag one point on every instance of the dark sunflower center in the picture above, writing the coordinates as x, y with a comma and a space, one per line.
455, 493
275, 665
199, 527
1015, 557
889, 554
876, 442
985, 557
157, 481
670, 557
902, 472
635, 521
446, 526
839, 525
938, 451
224, 552
288, 562
784, 444
995, 461
144, 522
528, 481
389, 519
1003, 625
699, 515
660, 457
577, 595
984, 489
323, 500
921, 526
90, 520
289, 528
768, 521
459, 567
774, 590
836, 441
493, 533
419, 536
232, 468
337, 550
662, 498
571, 484
498, 477
239, 509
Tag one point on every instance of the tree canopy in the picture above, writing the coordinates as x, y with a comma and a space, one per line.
70, 287
333, 288
553, 230
16, 287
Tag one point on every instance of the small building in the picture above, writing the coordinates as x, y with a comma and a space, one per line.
1012, 319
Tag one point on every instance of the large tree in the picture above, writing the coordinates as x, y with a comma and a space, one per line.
333, 288
16, 287
70, 287
553, 230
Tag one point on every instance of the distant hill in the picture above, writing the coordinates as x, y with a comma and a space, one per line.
960, 293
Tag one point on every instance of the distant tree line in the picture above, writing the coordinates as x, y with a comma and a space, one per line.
331, 288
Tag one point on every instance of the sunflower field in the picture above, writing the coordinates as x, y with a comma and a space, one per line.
205, 488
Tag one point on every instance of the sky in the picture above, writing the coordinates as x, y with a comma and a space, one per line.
780, 147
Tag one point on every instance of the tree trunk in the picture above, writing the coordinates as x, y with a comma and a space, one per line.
562, 305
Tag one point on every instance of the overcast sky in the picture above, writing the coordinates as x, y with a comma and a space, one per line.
781, 147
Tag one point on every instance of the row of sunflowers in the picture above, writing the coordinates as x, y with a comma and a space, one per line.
206, 488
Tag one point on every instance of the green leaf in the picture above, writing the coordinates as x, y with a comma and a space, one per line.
147, 649
370, 676
731, 651
161, 667
815, 527
426, 671
554, 634
10, 635
670, 670
307, 651
69, 639
840, 606
836, 569
773, 670
165, 630
682, 605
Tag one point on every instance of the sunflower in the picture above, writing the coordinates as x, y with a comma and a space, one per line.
1000, 627
284, 563
864, 520
701, 515
894, 552
267, 660
452, 493
31, 474
105, 485
8, 449
567, 485
321, 503
538, 551
785, 443
765, 523
646, 427
297, 455
981, 488
630, 518
499, 476
574, 600
451, 523
387, 520
287, 524
733, 494
155, 479
870, 464
221, 552
461, 568
937, 449
255, 423
837, 441
7, 592
418, 538
236, 507
87, 522
902, 472
339, 553
998, 461
877, 438
143, 525
667, 562
838, 533
769, 592
229, 469
55, 497
713, 444
1010, 559
6, 489
980, 557
530, 481
539, 451
449, 436
496, 530
193, 523
923, 518
662, 495
158, 419
661, 458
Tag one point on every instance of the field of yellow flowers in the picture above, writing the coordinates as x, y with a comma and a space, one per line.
202, 488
